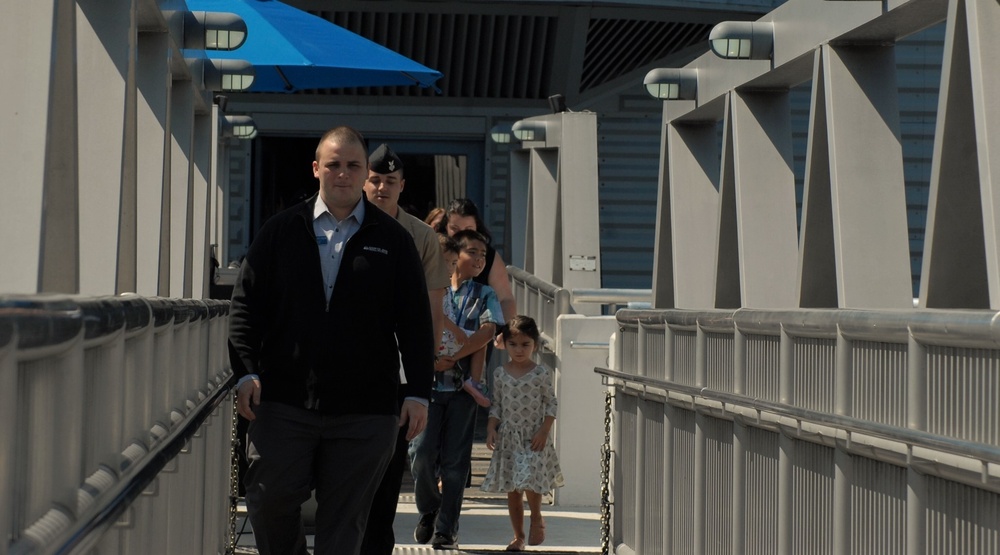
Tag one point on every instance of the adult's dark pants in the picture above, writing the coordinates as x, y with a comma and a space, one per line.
379, 536
293, 450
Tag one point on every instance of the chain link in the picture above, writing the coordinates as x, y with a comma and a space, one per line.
606, 478
234, 485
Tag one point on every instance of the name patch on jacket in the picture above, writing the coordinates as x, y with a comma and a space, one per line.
379, 250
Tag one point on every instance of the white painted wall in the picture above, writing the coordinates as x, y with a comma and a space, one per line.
582, 346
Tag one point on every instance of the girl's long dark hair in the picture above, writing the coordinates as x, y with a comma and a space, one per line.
464, 207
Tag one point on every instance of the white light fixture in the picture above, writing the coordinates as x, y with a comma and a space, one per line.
525, 130
214, 31
668, 83
744, 40
239, 127
501, 134
228, 75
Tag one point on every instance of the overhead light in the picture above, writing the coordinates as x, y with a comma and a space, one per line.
239, 127
668, 83
525, 130
745, 40
557, 103
228, 75
214, 31
501, 134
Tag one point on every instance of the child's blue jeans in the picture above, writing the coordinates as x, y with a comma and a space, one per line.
444, 447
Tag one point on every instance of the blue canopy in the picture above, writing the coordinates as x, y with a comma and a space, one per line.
293, 50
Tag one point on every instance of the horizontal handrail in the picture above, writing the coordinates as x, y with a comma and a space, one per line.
90, 526
611, 295
918, 438
544, 287
121, 385
953, 328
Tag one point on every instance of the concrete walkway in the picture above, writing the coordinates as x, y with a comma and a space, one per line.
485, 528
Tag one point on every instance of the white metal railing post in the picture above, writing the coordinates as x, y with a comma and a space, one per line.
700, 356
739, 507
640, 473
700, 483
843, 465
740, 442
52, 386
669, 348
156, 537
139, 380
616, 473
916, 419
8, 422
786, 448
640, 447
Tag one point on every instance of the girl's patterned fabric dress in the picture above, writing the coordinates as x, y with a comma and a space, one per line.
521, 404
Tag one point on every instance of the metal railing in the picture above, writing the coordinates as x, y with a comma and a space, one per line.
539, 299
545, 301
807, 431
116, 423
611, 299
573, 345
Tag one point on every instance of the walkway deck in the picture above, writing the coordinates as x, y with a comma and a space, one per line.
485, 526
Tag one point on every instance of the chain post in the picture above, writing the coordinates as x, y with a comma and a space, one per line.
606, 478
234, 473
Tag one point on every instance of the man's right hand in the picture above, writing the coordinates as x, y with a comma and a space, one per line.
248, 393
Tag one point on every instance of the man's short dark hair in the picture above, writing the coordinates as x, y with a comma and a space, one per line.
343, 135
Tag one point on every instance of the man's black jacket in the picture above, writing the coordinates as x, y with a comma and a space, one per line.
341, 357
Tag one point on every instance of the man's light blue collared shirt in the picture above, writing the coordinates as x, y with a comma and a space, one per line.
331, 238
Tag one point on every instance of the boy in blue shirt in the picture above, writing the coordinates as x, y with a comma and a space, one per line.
445, 446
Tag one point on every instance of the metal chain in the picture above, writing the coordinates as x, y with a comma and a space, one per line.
606, 478
234, 486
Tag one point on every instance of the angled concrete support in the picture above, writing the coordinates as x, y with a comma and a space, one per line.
562, 244
152, 124
545, 215
961, 266
27, 29
59, 269
106, 99
520, 220
757, 248
663, 245
854, 251
181, 188
692, 174
203, 150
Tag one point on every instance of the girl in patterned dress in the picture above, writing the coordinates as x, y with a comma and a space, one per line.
523, 411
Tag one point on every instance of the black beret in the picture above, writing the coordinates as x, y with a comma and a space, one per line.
384, 160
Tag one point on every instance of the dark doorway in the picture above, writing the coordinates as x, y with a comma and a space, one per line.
435, 173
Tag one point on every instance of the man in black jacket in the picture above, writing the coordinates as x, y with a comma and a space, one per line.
330, 296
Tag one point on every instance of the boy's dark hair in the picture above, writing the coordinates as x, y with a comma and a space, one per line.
448, 244
521, 324
463, 237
